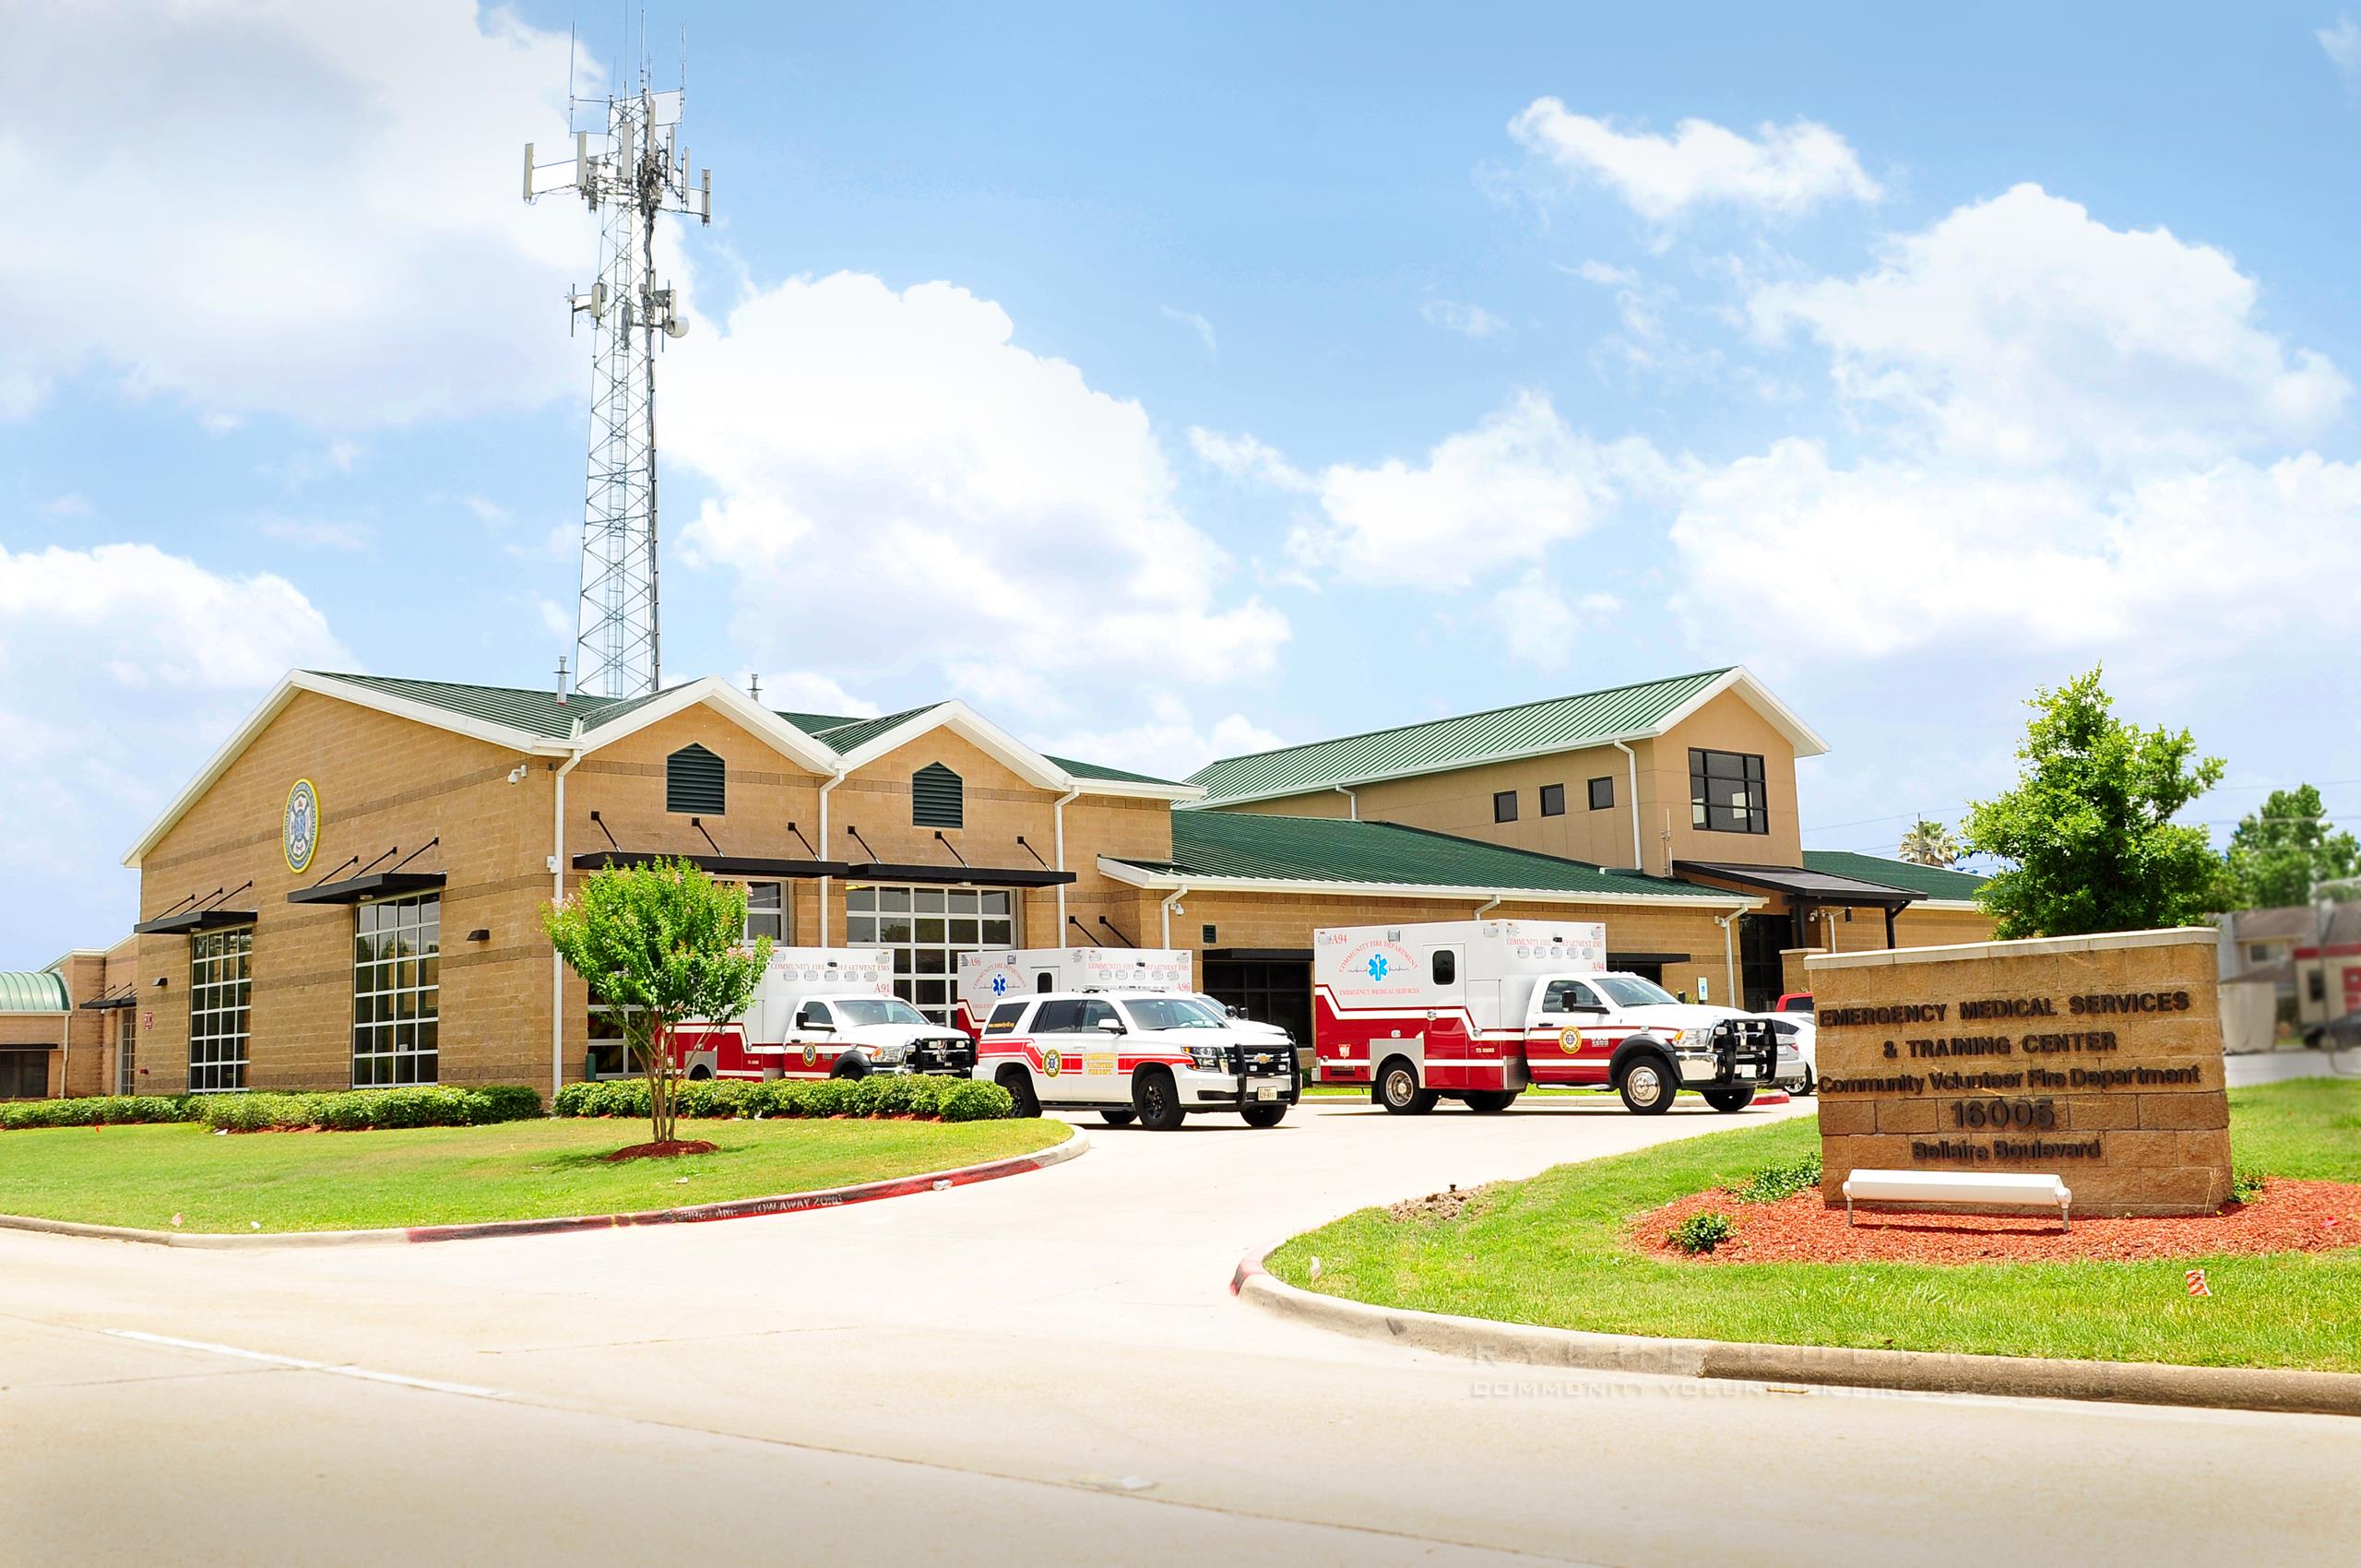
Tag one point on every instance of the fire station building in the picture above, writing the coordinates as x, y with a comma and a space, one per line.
349, 892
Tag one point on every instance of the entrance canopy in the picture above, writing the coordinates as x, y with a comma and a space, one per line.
1807, 890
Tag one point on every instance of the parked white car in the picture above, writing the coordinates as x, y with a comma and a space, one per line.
1798, 1038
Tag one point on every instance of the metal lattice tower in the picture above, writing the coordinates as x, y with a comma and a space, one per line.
639, 173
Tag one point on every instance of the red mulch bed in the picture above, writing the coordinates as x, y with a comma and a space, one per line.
2289, 1216
664, 1150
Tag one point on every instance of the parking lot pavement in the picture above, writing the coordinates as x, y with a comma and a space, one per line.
2275, 1066
1047, 1365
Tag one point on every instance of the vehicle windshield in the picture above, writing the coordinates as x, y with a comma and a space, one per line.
862, 1011
1630, 991
1154, 1014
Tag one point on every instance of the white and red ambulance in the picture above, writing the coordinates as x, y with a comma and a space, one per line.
1481, 1010
822, 1012
995, 975
1153, 1056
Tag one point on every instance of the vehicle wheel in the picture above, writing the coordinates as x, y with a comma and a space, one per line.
1157, 1102
1811, 1081
1019, 1085
1266, 1115
1117, 1117
1736, 1097
700, 1073
1398, 1090
1487, 1101
849, 1066
1648, 1085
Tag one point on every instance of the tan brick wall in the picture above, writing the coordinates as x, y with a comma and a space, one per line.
2125, 1140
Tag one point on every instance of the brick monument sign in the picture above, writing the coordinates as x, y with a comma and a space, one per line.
2097, 1058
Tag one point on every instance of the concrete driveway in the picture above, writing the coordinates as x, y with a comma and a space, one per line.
1042, 1369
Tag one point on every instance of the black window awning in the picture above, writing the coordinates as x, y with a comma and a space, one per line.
188, 923
1257, 954
959, 877
111, 1004
1633, 960
713, 866
1806, 886
376, 884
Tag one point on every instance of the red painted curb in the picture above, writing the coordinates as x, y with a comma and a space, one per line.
753, 1208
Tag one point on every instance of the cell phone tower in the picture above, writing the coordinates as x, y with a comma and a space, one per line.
627, 174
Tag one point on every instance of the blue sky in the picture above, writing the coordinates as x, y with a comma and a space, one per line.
1177, 382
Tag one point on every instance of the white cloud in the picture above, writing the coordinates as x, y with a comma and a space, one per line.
892, 461
1467, 320
1607, 274
485, 511
1198, 325
1539, 620
312, 533
124, 667
2022, 331
356, 166
2343, 42
73, 503
1165, 742
1245, 456
1786, 169
808, 691
1499, 493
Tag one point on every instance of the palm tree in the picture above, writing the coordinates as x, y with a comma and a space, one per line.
1928, 844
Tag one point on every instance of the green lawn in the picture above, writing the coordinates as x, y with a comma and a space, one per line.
1552, 1251
142, 1176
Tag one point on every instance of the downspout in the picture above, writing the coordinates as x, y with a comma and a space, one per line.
1352, 801
826, 882
557, 895
1169, 899
1058, 820
1487, 906
1730, 958
65, 1046
1631, 788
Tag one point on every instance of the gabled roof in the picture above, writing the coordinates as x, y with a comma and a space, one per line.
35, 990
539, 723
1935, 884
1535, 728
1254, 851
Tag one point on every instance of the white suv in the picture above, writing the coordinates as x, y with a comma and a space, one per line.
1153, 1055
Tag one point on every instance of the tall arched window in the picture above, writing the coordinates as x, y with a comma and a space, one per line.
938, 798
693, 782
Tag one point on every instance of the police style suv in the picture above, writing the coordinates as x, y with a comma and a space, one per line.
1153, 1056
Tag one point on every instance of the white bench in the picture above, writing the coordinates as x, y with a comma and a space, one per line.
2026, 1189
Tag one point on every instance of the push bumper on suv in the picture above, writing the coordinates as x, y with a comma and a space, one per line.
1255, 1074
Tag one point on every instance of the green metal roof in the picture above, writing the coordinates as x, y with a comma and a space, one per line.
1261, 847
1438, 744
1933, 882
35, 990
542, 713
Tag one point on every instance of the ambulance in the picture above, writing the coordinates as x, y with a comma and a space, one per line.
822, 1012
989, 978
1480, 1010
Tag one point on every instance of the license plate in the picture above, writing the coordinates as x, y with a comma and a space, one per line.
1267, 1091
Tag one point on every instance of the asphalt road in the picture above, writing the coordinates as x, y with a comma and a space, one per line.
1042, 1369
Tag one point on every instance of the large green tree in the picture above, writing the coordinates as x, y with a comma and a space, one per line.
2087, 834
2278, 855
661, 944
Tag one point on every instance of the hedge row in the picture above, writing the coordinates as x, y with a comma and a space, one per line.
941, 1099
98, 1110
348, 1110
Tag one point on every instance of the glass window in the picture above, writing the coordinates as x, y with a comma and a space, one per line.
928, 929
1602, 793
814, 1015
1629, 991
1504, 806
1553, 800
219, 965
1161, 1013
126, 1051
861, 1012
24, 1074
1095, 1012
1725, 793
610, 1052
1058, 1017
766, 911
397, 992
1565, 996
1004, 1016
1445, 964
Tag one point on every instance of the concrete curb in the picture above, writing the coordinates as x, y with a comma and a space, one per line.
1928, 1372
694, 1214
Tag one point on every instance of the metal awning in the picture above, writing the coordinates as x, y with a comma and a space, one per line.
715, 865
1632, 960
188, 923
1807, 887
110, 1003
376, 884
959, 877
1258, 955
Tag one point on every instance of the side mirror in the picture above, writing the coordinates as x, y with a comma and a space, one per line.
1110, 1025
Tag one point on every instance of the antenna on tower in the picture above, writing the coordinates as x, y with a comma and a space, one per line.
628, 173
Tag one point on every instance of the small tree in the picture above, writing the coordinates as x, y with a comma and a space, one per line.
2088, 831
2281, 854
660, 943
1928, 844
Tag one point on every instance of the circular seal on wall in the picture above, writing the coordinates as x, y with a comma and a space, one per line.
1051, 1061
299, 826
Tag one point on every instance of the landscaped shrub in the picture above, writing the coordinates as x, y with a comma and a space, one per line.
936, 1098
98, 1110
2245, 1185
1772, 1182
1700, 1232
348, 1110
